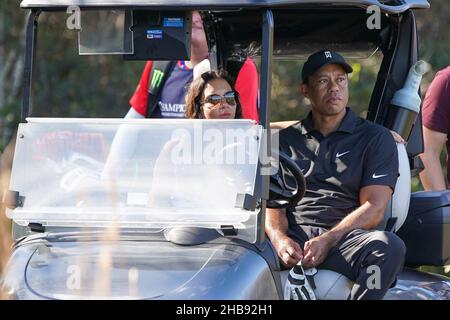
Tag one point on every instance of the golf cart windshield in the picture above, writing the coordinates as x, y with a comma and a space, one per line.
68, 172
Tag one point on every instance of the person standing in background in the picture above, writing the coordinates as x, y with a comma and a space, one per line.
436, 129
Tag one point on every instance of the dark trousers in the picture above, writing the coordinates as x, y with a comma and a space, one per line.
371, 259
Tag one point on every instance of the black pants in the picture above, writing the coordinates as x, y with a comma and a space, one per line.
371, 259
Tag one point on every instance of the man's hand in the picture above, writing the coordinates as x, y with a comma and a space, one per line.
289, 251
316, 250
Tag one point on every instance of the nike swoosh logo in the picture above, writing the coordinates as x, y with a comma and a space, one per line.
341, 154
378, 176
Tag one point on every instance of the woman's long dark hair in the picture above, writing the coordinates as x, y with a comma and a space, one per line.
194, 95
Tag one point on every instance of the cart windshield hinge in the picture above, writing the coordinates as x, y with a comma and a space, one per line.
246, 201
229, 230
13, 199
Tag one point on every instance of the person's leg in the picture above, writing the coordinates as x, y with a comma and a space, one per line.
372, 259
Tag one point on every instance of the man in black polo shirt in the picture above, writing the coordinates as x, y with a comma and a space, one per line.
351, 168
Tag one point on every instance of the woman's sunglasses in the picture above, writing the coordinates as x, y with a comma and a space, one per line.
229, 98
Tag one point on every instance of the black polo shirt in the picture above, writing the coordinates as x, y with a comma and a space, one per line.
359, 153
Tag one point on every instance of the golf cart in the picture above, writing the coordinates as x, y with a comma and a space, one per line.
166, 221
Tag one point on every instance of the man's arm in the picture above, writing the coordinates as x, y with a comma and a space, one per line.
378, 180
432, 177
289, 251
373, 200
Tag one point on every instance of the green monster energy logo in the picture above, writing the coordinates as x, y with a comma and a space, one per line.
156, 78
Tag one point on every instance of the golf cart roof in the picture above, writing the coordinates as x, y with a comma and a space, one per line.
392, 6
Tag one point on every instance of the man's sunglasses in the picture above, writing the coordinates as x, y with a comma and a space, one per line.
229, 98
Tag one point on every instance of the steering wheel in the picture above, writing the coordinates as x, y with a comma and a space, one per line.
281, 193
